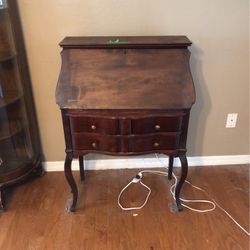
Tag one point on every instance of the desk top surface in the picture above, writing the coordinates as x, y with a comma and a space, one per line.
110, 42
123, 77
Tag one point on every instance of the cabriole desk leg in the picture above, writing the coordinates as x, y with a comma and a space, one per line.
71, 181
184, 171
170, 167
81, 166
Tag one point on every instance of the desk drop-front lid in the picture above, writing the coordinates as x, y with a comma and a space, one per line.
125, 73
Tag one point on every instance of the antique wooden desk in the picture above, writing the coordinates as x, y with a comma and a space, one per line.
125, 96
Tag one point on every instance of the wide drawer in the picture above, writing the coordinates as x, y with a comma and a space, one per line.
156, 124
101, 125
84, 141
157, 142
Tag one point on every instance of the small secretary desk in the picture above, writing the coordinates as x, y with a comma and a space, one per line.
125, 96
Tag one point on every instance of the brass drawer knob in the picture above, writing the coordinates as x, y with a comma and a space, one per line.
156, 144
157, 127
93, 127
93, 145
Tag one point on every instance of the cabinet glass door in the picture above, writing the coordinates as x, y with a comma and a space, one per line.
15, 144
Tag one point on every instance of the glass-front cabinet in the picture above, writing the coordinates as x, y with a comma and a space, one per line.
20, 151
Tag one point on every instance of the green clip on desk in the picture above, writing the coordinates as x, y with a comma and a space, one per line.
125, 96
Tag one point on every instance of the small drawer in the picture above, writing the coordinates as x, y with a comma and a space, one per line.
82, 141
154, 142
156, 124
98, 125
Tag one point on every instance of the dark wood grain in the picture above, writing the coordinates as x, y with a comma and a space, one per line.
154, 142
138, 79
94, 125
35, 218
86, 141
139, 125
130, 127
156, 124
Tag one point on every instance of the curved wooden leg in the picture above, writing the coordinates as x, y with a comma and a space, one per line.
81, 166
184, 171
71, 181
170, 167
1, 200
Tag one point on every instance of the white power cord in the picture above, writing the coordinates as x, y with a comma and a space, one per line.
138, 179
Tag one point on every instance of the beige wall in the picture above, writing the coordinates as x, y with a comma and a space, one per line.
219, 31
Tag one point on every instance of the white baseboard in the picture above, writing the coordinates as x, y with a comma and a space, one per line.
152, 162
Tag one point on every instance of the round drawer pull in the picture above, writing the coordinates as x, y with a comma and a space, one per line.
156, 144
157, 127
93, 127
93, 145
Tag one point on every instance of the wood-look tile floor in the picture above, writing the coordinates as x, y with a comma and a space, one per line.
36, 216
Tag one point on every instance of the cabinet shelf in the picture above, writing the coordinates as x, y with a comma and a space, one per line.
4, 102
10, 129
12, 166
7, 56
4, 10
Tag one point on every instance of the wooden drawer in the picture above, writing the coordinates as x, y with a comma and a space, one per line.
156, 124
84, 141
99, 125
154, 142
